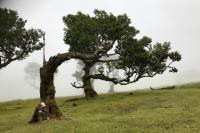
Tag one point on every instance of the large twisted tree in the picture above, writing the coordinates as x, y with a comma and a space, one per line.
107, 41
16, 42
136, 58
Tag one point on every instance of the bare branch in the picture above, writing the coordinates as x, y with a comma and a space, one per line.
78, 87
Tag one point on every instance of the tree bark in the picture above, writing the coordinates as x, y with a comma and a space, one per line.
88, 87
47, 92
47, 108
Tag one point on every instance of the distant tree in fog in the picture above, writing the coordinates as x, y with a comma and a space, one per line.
112, 85
32, 71
79, 73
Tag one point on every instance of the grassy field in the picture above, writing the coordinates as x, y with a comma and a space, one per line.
144, 111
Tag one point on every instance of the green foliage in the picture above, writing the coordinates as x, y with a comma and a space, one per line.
15, 41
85, 34
138, 58
145, 59
168, 111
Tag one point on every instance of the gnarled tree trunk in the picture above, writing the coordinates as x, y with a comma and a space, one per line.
47, 93
47, 108
88, 88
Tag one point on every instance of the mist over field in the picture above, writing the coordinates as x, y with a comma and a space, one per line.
176, 21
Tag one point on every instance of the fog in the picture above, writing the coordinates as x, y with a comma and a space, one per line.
176, 21
32, 74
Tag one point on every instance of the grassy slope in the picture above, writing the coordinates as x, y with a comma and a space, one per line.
167, 111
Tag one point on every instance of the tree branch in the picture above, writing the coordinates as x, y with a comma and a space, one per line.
106, 61
78, 87
103, 77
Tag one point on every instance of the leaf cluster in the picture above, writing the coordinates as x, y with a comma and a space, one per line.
86, 34
16, 42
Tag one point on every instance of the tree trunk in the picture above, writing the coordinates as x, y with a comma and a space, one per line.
88, 87
47, 108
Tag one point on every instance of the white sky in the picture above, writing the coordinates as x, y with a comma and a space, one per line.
176, 21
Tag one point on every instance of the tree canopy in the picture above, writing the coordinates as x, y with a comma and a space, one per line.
115, 37
16, 42
86, 34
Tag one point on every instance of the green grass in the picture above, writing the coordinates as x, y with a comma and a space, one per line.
144, 111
